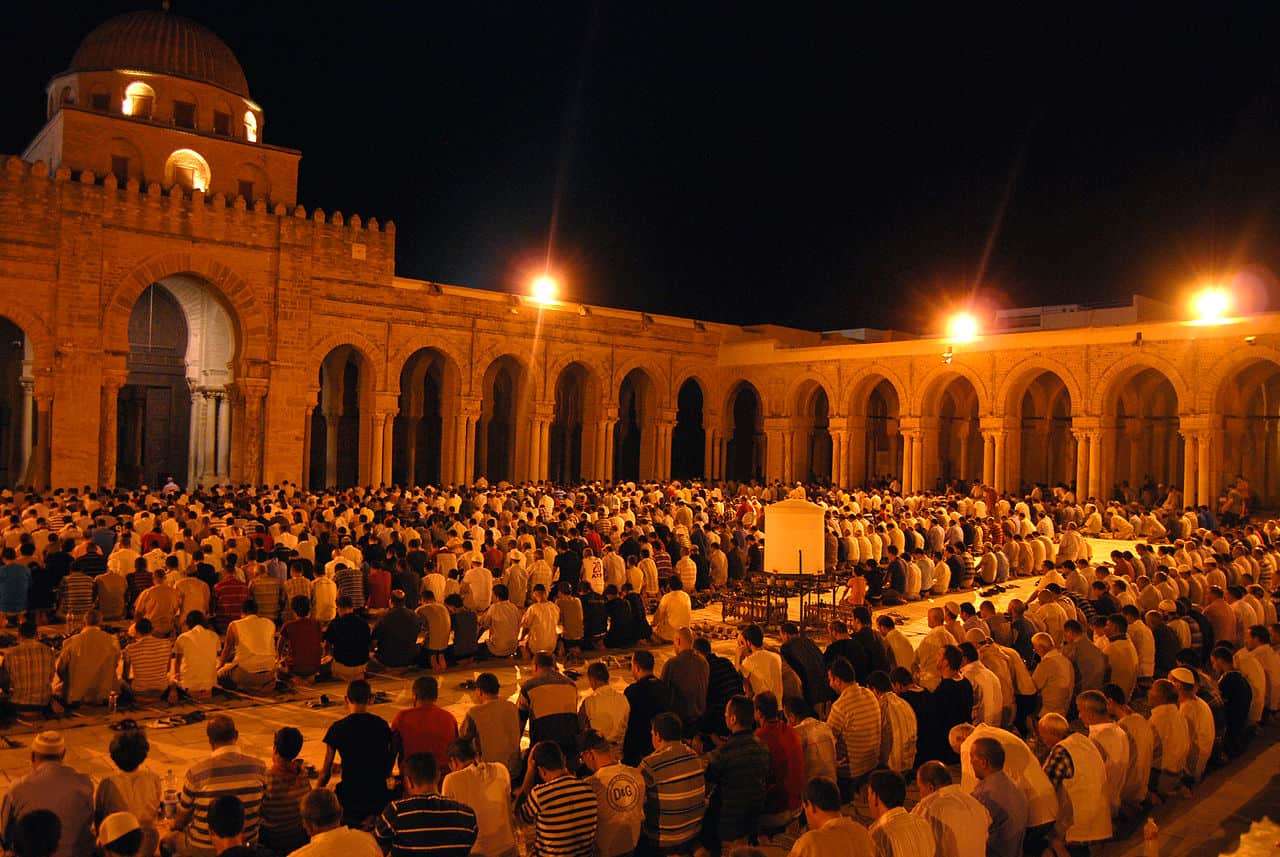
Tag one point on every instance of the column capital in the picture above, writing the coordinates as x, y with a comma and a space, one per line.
468, 406
44, 400
1086, 424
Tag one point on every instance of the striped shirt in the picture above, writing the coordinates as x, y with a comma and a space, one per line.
266, 590
146, 664
426, 824
351, 583
855, 721
564, 813
77, 593
674, 795
229, 595
226, 772
281, 815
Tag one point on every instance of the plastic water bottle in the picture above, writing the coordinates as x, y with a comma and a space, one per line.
169, 797
1150, 839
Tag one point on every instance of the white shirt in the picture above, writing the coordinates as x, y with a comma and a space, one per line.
199, 651
901, 834
606, 711
542, 620
479, 583
340, 842
960, 822
988, 696
486, 788
620, 793
1021, 766
762, 670
675, 610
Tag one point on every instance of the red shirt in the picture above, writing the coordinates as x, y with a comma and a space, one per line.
379, 594
425, 729
786, 766
230, 593
302, 638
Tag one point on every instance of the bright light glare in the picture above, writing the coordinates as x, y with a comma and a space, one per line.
962, 327
544, 289
1212, 304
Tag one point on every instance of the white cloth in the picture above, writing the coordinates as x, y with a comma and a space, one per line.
1085, 814
255, 644
1117, 750
1021, 766
675, 611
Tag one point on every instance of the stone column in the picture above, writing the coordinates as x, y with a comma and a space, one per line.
536, 450
999, 440
373, 468
224, 437
25, 434
388, 447
963, 437
908, 465
194, 439
708, 453
108, 432
1096, 453
988, 457
1082, 465
209, 447
920, 467
839, 457
855, 452
306, 446
462, 467
472, 430
606, 472
665, 430
1189, 482
1204, 469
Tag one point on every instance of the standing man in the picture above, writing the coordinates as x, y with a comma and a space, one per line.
738, 770
363, 743
855, 722
1005, 802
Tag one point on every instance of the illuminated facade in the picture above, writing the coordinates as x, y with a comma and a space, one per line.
168, 308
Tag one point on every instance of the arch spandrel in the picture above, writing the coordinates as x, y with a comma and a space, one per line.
802, 388
859, 388
371, 358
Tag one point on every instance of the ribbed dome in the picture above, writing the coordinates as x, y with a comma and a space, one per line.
164, 43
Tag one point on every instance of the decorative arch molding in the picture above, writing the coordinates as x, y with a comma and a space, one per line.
1209, 389
657, 378
408, 347
1015, 382
696, 376
530, 374
249, 317
804, 384
42, 350
595, 373
730, 392
866, 380
929, 390
371, 358
1103, 402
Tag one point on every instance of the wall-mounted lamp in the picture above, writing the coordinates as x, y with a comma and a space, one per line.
948, 355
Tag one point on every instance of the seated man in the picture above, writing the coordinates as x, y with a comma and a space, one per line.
348, 639
248, 661
195, 662
395, 636
86, 666
300, 641
145, 664
27, 673
158, 604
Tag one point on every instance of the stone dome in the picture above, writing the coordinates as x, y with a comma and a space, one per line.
163, 43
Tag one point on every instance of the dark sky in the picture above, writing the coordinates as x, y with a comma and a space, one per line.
745, 163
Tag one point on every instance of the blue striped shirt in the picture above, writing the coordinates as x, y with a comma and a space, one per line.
426, 824
226, 772
564, 813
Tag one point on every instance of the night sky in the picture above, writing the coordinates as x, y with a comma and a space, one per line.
756, 163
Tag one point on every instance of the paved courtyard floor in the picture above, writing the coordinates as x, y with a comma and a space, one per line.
1233, 812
